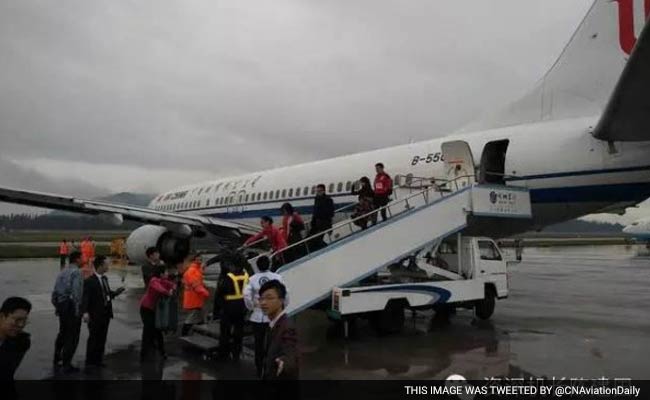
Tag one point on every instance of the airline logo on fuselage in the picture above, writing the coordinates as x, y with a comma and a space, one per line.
626, 26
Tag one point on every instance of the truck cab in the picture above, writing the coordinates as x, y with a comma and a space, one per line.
467, 272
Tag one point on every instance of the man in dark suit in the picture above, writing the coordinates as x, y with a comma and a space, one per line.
281, 359
97, 308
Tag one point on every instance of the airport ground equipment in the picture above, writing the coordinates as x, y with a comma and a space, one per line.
469, 272
415, 222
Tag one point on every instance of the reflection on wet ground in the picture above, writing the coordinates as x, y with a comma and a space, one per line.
572, 312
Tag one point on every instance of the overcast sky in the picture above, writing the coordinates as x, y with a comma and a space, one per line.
102, 97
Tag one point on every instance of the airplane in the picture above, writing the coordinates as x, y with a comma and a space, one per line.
579, 141
639, 230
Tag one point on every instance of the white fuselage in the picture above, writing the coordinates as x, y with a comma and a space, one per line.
639, 229
568, 172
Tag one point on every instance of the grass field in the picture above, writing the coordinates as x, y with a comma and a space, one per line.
56, 236
20, 251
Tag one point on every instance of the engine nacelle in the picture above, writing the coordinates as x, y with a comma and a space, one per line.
172, 248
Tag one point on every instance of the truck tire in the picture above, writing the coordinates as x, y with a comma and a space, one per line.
390, 319
485, 308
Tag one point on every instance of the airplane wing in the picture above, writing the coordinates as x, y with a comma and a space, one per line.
119, 211
627, 115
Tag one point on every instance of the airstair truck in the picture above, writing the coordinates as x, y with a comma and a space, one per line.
470, 275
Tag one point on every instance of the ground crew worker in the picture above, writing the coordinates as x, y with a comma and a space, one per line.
194, 294
257, 318
229, 303
383, 189
64, 250
87, 257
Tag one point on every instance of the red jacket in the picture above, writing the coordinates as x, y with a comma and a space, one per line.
383, 184
157, 287
195, 293
273, 235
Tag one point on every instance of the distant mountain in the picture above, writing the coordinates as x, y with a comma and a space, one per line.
67, 220
133, 199
580, 226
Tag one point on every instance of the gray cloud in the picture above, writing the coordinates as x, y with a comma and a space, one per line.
231, 86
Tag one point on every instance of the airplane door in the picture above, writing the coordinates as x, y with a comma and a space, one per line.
230, 202
458, 164
241, 205
493, 162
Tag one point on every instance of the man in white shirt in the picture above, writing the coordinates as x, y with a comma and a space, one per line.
259, 321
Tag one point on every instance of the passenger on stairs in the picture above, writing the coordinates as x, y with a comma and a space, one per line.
321, 219
292, 227
194, 294
275, 238
365, 205
383, 189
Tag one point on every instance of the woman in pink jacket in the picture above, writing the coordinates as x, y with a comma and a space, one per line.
159, 285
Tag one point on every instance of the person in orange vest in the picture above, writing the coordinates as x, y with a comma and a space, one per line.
64, 250
194, 294
87, 256
84, 248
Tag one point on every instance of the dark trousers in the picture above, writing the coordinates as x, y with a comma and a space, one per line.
62, 259
259, 332
151, 337
317, 242
232, 329
380, 201
67, 339
97, 333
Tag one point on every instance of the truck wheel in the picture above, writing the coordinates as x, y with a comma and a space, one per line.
390, 319
485, 308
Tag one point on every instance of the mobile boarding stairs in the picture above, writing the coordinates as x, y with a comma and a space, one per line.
416, 221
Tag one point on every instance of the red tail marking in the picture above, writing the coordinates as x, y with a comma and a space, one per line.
626, 34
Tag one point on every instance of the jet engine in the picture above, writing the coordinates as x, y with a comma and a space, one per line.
173, 246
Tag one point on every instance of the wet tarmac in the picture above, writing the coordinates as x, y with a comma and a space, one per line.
574, 311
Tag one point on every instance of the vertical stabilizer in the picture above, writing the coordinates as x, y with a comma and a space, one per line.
583, 77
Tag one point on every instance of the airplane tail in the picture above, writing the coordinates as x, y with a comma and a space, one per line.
584, 76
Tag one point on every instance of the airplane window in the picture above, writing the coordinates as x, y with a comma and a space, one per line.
297, 192
291, 192
284, 193
348, 186
265, 194
246, 199
277, 194
271, 195
339, 188
259, 196
398, 180
313, 190
331, 188
207, 203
